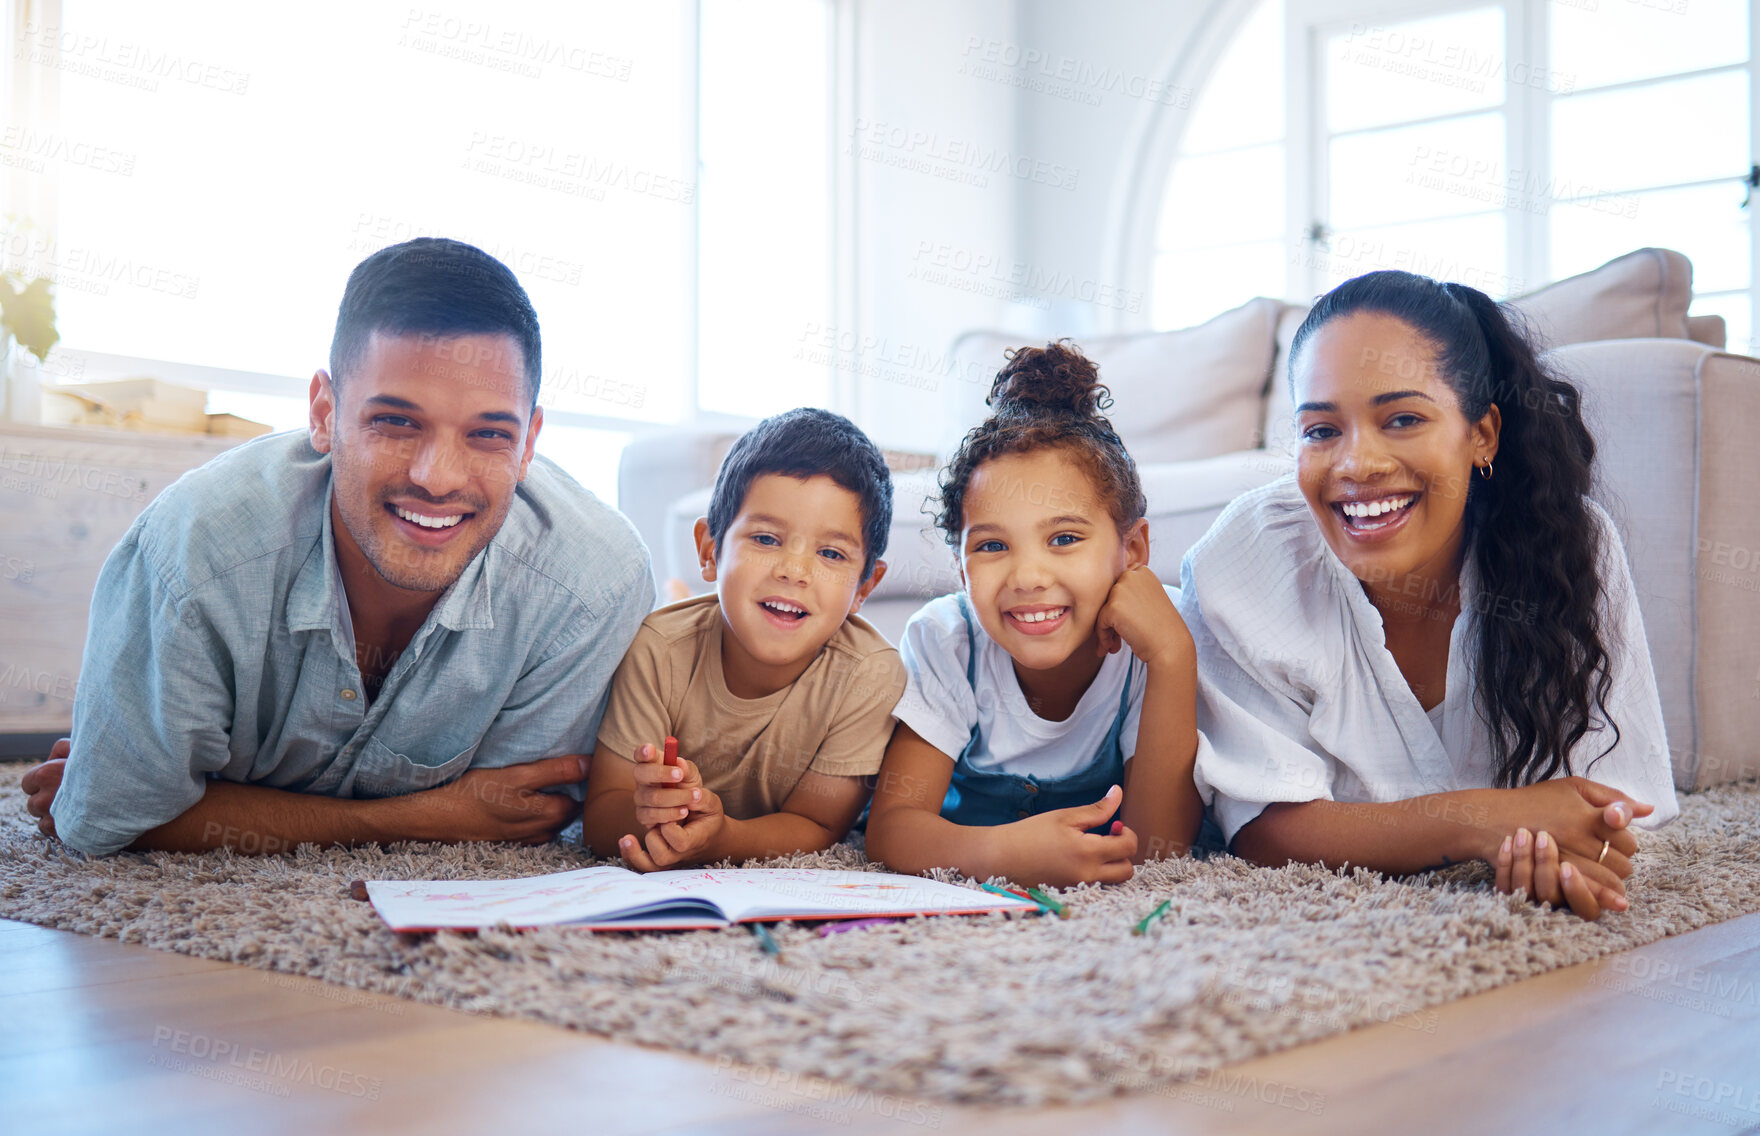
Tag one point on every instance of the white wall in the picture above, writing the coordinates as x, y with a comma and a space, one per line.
1048, 105
920, 140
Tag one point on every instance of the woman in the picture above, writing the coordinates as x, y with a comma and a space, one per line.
1424, 647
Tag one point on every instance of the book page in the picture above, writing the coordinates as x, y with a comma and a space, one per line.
582, 895
821, 893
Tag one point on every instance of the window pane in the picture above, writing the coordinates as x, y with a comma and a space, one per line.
1737, 310
1465, 250
1658, 134
1437, 169
267, 158
1380, 74
1242, 101
589, 456
277, 412
765, 247
1224, 198
1705, 222
1192, 286
1594, 44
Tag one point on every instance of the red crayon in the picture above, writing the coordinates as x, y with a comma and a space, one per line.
671, 755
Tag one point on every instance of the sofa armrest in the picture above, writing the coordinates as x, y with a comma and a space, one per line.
655, 471
1673, 422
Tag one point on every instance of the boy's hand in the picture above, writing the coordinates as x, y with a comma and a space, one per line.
666, 792
676, 843
1056, 847
1139, 612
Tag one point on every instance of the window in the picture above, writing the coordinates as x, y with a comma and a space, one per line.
215, 177
1221, 238
1503, 144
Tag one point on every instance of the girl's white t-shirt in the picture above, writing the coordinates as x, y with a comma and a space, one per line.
941, 706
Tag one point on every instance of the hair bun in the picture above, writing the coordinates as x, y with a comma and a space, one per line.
1051, 378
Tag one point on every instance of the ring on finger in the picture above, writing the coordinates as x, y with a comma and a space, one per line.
1604, 846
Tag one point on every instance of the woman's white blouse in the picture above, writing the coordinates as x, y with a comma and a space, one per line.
1301, 700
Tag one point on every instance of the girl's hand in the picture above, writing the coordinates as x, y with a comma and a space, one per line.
1056, 848
1139, 612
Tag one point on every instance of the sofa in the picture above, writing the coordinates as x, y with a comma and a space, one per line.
1207, 414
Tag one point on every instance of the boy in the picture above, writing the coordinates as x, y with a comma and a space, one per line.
780, 696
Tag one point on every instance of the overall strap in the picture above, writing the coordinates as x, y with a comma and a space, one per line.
1124, 699
971, 642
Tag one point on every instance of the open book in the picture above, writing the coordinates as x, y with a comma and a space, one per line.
610, 898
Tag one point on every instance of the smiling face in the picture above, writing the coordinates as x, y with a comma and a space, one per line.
428, 439
788, 573
1385, 455
1039, 553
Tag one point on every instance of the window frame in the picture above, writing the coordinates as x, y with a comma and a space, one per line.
1528, 141
32, 96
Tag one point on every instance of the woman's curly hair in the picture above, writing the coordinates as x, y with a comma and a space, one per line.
1542, 679
1046, 397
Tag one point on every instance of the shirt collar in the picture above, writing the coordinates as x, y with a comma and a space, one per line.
315, 601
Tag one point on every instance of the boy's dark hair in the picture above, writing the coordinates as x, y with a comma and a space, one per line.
804, 443
433, 286
1542, 685
1044, 398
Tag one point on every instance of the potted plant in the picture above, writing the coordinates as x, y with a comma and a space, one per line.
27, 316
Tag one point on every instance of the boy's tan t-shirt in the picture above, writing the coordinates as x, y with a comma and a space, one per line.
835, 719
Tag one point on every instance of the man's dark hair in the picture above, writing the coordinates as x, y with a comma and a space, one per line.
433, 286
807, 443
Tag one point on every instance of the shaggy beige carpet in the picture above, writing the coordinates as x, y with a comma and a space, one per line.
1006, 1009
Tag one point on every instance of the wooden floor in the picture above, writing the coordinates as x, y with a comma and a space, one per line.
96, 1036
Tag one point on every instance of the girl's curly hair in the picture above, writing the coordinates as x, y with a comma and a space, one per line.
1046, 397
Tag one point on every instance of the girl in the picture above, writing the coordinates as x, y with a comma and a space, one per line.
1017, 751
1416, 649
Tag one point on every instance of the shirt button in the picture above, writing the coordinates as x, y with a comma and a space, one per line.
1025, 814
1029, 786
348, 696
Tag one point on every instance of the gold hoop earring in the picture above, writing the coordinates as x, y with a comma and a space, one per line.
1485, 471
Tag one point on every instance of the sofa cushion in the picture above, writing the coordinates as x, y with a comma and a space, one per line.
1177, 395
1641, 295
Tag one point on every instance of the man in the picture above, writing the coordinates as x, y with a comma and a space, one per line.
399, 625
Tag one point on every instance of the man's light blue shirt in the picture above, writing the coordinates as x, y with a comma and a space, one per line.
219, 647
